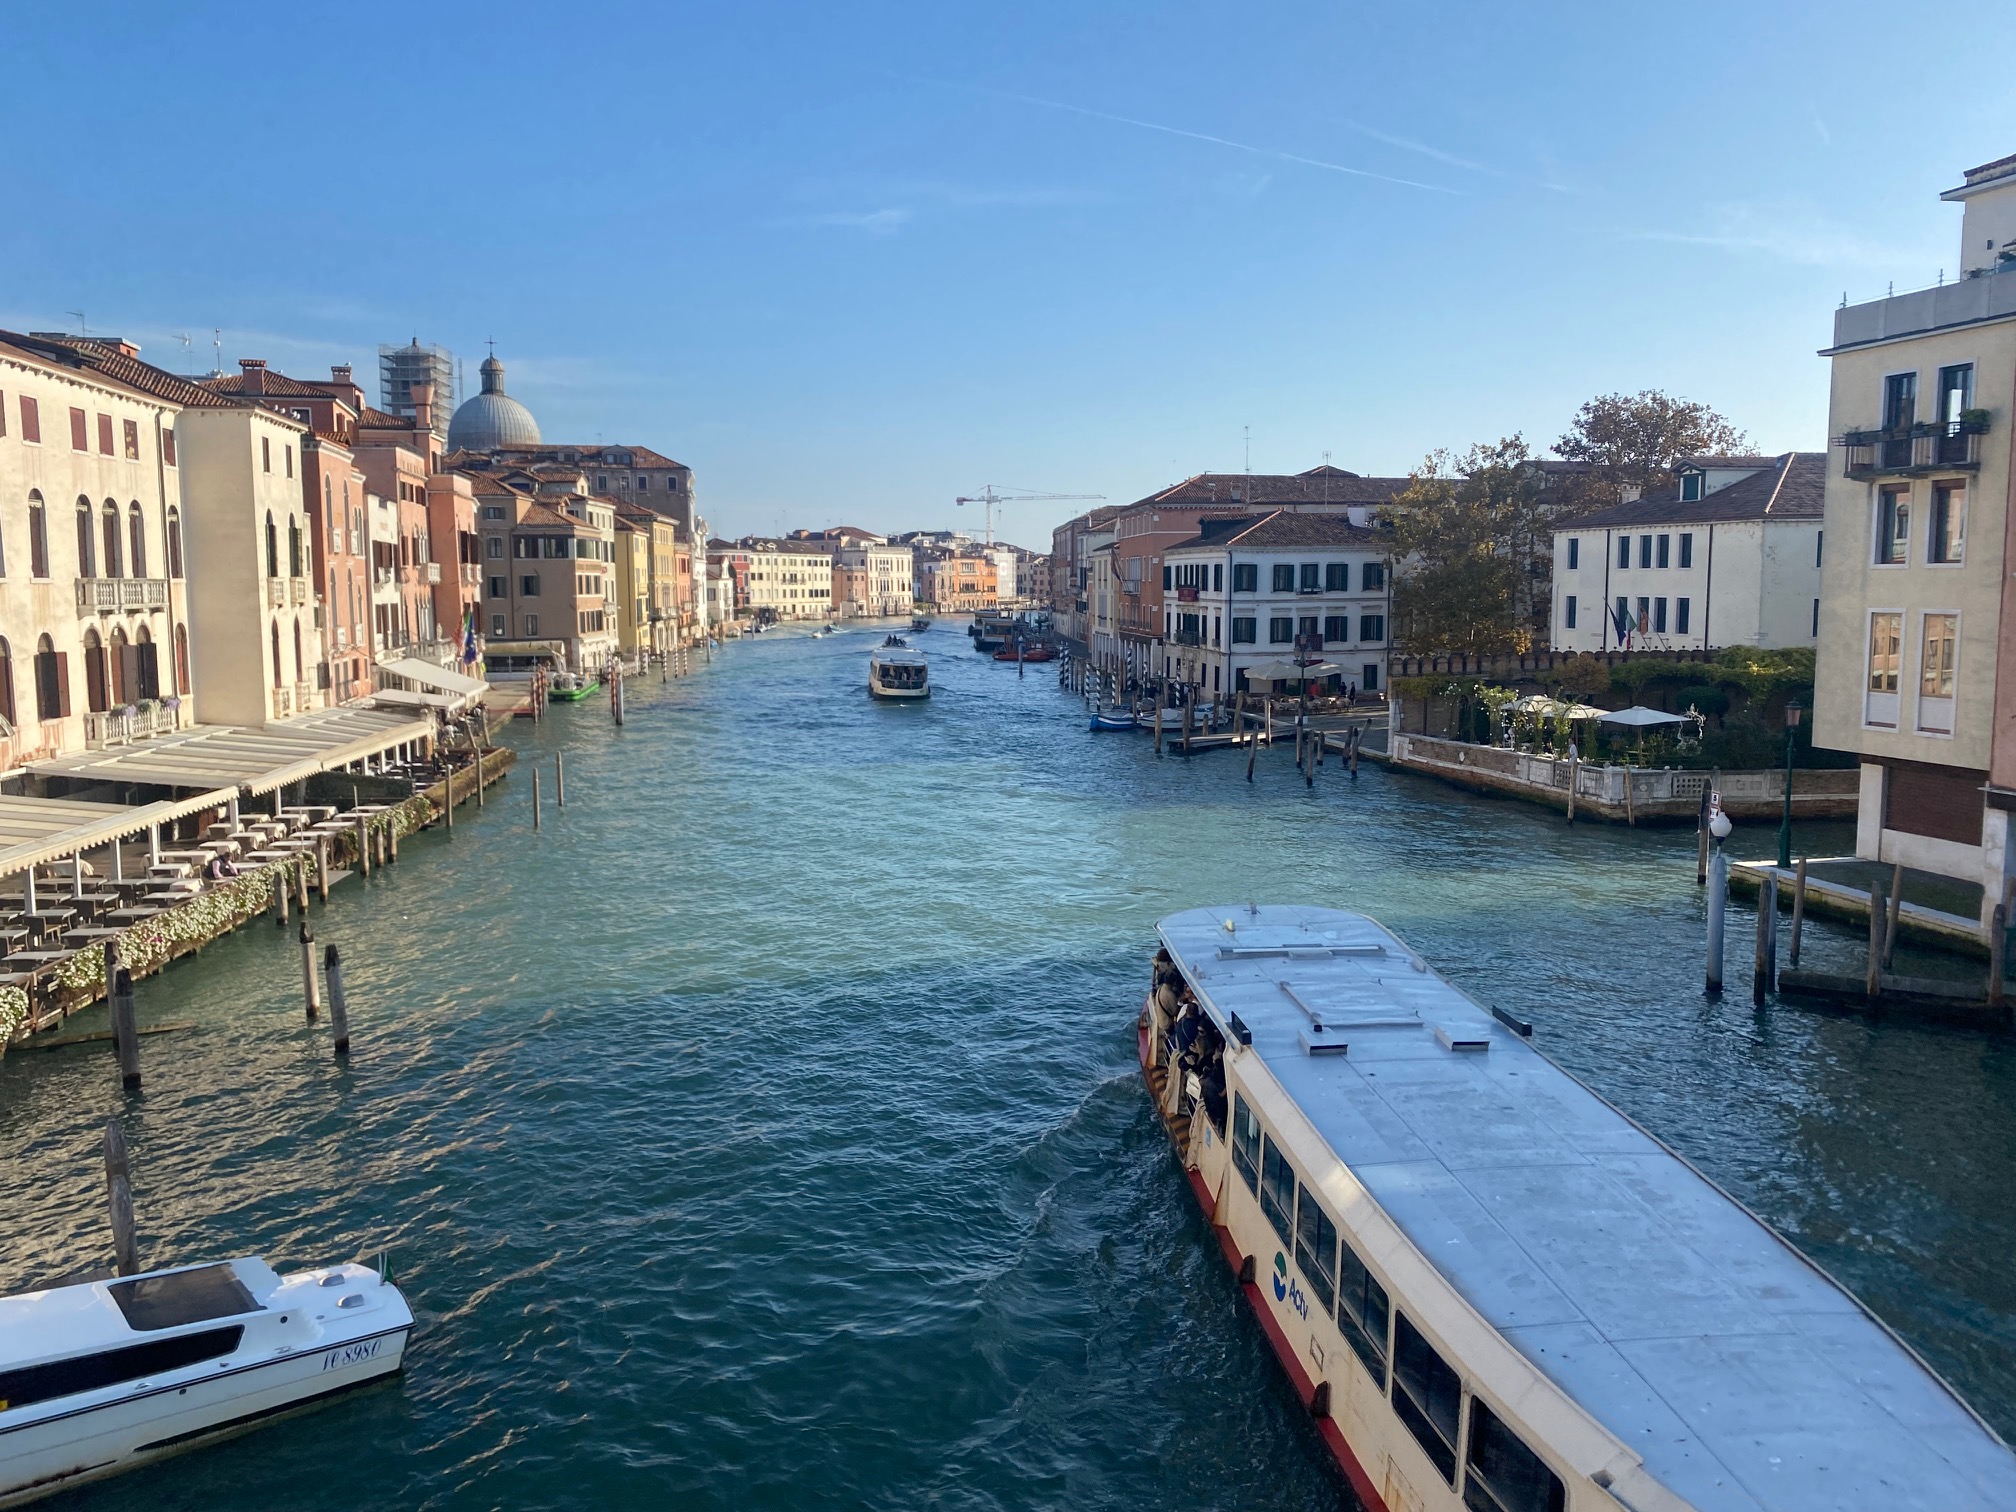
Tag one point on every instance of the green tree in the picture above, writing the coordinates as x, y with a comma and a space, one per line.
1471, 538
1633, 440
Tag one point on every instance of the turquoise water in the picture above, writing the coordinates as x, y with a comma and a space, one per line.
765, 1133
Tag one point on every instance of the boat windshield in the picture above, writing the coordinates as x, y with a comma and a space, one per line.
189, 1296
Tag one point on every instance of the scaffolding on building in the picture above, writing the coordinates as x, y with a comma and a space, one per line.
400, 367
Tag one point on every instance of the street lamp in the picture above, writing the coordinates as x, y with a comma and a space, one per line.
1793, 712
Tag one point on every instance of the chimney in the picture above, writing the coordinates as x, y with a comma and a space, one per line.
423, 405
254, 369
118, 344
340, 372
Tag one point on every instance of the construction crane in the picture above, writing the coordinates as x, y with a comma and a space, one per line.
990, 496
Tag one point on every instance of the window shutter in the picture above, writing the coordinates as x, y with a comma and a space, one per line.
31, 420
3, 412
168, 445
63, 681
105, 435
80, 431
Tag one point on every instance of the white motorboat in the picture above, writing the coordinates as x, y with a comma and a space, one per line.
100, 1377
896, 671
1494, 1292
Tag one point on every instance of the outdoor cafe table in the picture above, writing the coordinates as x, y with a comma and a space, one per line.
134, 915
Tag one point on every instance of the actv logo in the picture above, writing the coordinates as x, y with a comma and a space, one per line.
1285, 1289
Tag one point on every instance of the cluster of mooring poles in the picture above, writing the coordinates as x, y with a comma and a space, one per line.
559, 786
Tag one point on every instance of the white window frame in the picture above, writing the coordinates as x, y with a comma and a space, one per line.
1869, 696
1933, 485
1876, 533
1948, 708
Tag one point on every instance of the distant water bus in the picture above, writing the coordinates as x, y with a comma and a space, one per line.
1493, 1290
897, 672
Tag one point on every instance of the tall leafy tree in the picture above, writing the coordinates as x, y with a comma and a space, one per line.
1470, 541
1633, 440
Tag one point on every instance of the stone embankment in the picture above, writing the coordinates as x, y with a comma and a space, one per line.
1622, 793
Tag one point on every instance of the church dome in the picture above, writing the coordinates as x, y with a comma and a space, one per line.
492, 418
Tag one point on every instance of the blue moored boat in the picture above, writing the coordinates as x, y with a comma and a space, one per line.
1113, 719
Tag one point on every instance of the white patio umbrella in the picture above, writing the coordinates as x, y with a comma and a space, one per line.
1638, 717
1273, 671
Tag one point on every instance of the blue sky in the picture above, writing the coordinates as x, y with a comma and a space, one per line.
849, 262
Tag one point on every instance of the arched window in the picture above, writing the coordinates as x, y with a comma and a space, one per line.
174, 542
272, 557
122, 675
294, 547
7, 684
146, 665
300, 667
112, 531
86, 554
181, 658
95, 690
329, 510
136, 559
276, 652
52, 681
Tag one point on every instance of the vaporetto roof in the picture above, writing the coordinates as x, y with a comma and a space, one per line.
1742, 1376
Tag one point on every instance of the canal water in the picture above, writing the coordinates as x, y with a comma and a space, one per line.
765, 1133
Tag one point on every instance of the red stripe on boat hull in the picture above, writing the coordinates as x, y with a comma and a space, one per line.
1305, 1388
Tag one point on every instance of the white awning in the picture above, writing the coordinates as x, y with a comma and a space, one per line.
252, 760
35, 830
413, 698
429, 675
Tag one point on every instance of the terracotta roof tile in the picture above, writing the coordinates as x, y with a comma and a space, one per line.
1789, 487
1282, 528
111, 363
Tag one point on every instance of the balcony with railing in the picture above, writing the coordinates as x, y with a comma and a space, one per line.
298, 591
1910, 450
283, 702
431, 572
117, 727
276, 593
107, 595
303, 696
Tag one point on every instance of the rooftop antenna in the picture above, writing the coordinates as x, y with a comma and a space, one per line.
82, 328
1326, 477
1247, 432
183, 337
217, 341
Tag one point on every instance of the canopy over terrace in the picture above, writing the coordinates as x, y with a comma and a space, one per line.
248, 760
449, 689
38, 830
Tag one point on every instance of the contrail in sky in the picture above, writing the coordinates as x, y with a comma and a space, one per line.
1198, 136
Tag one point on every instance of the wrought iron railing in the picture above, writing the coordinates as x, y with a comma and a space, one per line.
1908, 450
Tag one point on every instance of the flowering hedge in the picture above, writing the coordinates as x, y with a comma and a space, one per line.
151, 944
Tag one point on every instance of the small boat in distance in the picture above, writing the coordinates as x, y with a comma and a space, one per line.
1025, 654
101, 1376
1491, 1289
568, 687
920, 624
896, 671
1113, 719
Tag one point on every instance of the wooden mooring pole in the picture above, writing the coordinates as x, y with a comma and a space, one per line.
1798, 912
560, 779
119, 1198
280, 896
1718, 897
297, 872
1872, 984
125, 1028
1765, 967
311, 989
1998, 960
339, 1006
1896, 911
535, 798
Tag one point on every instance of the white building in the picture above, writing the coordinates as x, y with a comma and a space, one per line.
1279, 586
1729, 558
1918, 598
92, 609
253, 626
791, 579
